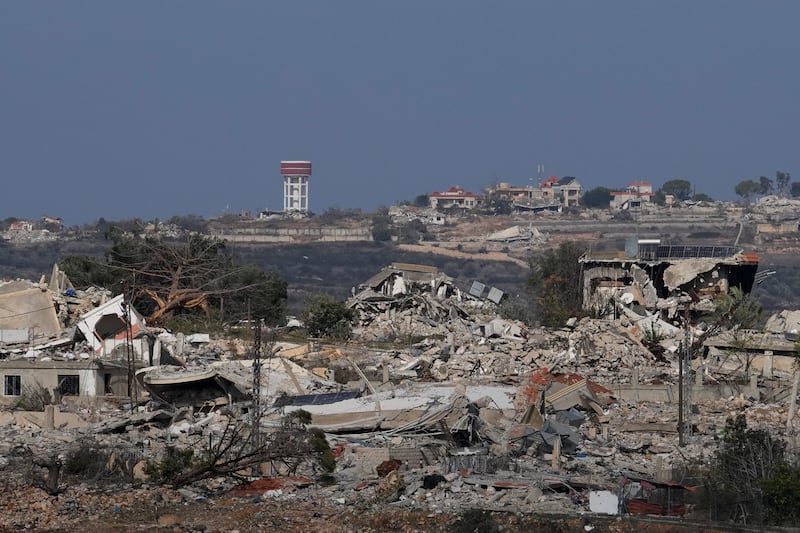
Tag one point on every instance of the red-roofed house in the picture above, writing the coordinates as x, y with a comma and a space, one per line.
453, 197
636, 194
55, 221
565, 192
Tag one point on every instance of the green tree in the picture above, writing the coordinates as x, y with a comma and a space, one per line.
743, 461
519, 307
782, 495
782, 180
702, 197
411, 232
736, 310
554, 283
325, 316
381, 227
765, 185
680, 189
252, 292
86, 271
599, 197
421, 200
740, 314
746, 189
496, 204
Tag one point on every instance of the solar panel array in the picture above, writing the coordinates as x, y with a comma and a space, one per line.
314, 399
656, 252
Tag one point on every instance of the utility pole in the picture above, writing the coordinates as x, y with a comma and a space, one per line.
132, 389
257, 385
685, 383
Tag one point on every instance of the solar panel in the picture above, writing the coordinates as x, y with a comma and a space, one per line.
314, 399
654, 252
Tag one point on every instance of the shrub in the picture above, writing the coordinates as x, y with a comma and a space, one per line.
553, 283
519, 308
476, 521
87, 463
172, 465
652, 334
323, 450
782, 495
34, 397
326, 317
744, 460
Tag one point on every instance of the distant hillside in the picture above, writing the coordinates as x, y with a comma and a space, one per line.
332, 268
335, 268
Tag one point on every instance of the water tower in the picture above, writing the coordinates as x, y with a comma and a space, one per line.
295, 185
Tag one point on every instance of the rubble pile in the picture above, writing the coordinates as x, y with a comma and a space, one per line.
771, 205
401, 302
471, 411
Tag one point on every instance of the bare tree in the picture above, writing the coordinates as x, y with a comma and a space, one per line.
236, 448
164, 278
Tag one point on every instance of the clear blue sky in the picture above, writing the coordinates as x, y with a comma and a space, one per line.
148, 109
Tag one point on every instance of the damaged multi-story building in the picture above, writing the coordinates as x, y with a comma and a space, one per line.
652, 277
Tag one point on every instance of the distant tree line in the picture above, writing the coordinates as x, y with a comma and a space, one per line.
782, 186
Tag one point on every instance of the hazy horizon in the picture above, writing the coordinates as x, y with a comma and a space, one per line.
148, 110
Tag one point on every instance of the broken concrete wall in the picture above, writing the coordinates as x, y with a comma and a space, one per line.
60, 378
27, 306
108, 328
665, 283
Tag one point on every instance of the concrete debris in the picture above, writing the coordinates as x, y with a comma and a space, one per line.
649, 276
518, 234
771, 205
476, 411
28, 307
786, 321
406, 300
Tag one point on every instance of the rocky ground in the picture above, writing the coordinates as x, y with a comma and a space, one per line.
128, 508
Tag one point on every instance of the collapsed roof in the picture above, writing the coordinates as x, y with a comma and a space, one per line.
405, 299
664, 277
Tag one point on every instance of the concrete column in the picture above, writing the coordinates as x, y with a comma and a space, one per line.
767, 368
180, 343
49, 416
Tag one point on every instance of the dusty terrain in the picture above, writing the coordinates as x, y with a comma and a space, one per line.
128, 509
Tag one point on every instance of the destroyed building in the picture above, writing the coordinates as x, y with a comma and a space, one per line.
72, 343
470, 411
408, 300
663, 279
